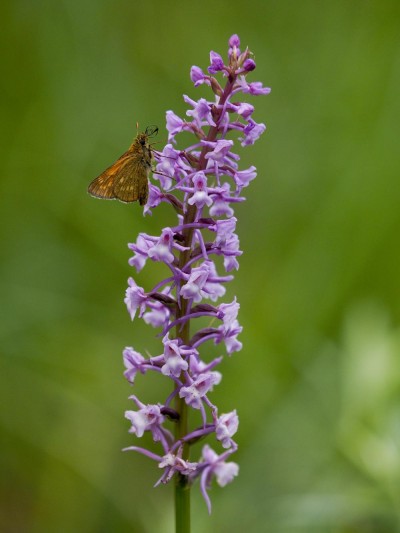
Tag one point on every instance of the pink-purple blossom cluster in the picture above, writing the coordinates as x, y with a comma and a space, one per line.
202, 182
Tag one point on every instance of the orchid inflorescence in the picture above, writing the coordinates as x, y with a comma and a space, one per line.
202, 183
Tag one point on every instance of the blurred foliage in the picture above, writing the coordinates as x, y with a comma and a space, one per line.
317, 383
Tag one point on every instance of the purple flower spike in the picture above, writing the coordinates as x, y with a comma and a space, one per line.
201, 183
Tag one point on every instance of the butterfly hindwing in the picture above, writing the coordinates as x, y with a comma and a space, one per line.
132, 182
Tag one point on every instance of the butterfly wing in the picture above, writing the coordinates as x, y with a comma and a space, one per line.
132, 184
103, 185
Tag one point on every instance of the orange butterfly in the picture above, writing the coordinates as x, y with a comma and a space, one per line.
127, 179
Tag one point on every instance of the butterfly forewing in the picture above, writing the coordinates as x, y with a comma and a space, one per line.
103, 185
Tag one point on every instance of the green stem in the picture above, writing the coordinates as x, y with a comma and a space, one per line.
182, 486
182, 505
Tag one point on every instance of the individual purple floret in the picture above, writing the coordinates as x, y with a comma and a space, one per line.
199, 251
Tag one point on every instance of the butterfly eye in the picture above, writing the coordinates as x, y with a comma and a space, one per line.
142, 142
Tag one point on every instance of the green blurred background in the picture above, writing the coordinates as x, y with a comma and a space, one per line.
317, 384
